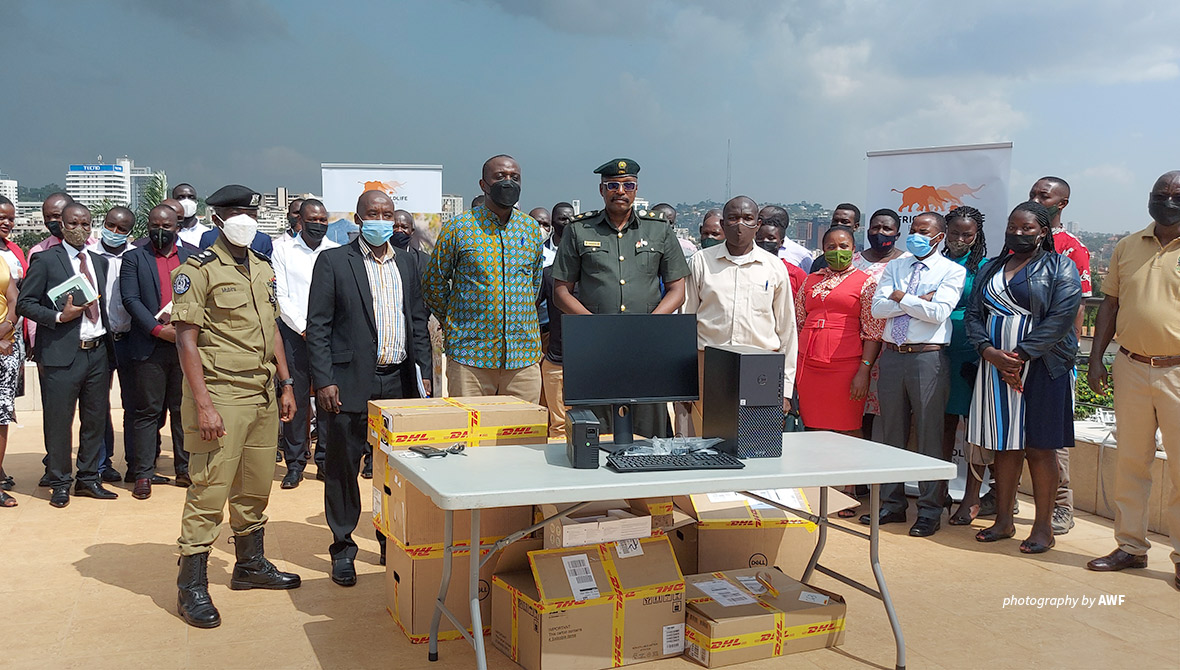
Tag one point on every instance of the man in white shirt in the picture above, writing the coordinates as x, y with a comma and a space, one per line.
293, 262
916, 296
742, 295
191, 229
113, 245
791, 251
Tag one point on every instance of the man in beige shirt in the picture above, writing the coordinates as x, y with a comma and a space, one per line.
741, 294
1141, 313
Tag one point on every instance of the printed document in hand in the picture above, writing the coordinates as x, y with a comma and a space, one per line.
77, 286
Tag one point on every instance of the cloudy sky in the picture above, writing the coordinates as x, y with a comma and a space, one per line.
260, 92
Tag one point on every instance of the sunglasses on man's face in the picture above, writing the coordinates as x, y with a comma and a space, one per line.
628, 186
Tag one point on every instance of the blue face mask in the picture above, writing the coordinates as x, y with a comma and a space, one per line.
113, 239
376, 232
919, 245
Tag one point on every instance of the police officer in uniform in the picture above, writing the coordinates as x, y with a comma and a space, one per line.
224, 309
618, 257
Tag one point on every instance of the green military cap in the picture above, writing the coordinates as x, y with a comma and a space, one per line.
619, 167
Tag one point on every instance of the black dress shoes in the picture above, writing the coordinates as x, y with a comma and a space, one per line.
925, 527
60, 496
292, 479
143, 489
343, 571
1117, 560
110, 476
93, 490
182, 480
159, 480
886, 517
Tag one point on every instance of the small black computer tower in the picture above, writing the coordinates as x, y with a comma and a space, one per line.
742, 400
581, 438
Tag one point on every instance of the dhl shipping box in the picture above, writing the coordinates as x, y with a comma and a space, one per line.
683, 536
588, 608
607, 521
412, 576
409, 515
745, 615
735, 532
659, 509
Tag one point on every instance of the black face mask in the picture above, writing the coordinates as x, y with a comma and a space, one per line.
161, 239
400, 239
882, 243
315, 230
1022, 244
505, 192
769, 245
54, 228
1164, 212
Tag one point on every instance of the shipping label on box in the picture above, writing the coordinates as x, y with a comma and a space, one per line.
472, 421
588, 608
744, 615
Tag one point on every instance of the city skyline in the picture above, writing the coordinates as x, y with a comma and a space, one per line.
261, 93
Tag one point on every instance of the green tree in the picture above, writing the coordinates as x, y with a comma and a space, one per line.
154, 193
99, 212
29, 239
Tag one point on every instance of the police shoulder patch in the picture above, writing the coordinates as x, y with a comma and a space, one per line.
585, 215
181, 284
204, 257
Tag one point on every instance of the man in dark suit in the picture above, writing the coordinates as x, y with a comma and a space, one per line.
365, 313
146, 285
403, 235
76, 353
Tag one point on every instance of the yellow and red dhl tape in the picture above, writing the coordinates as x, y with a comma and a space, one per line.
776, 637
419, 552
756, 520
443, 635
472, 434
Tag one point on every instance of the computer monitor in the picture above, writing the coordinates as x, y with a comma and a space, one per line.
624, 359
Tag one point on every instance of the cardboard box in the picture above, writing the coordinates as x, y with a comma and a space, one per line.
474, 421
659, 509
756, 613
412, 576
414, 520
736, 532
373, 436
626, 609
599, 522
683, 536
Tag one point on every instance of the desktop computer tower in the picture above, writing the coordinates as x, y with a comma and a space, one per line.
742, 400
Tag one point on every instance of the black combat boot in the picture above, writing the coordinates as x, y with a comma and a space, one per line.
253, 571
193, 602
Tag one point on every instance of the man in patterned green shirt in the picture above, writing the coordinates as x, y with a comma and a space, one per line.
618, 257
482, 284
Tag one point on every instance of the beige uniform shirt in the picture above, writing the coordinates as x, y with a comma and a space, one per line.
1145, 277
744, 300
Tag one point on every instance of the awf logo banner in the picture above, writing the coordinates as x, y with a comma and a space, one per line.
414, 188
938, 179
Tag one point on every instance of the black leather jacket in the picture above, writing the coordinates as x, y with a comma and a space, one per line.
1055, 291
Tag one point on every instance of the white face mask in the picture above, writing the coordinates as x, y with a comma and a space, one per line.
239, 229
189, 207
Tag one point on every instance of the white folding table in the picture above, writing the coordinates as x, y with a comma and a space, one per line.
505, 476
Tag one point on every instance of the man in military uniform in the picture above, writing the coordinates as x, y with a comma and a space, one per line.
618, 257
224, 310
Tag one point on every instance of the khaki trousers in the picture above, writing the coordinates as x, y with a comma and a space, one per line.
465, 380
238, 467
552, 380
1145, 398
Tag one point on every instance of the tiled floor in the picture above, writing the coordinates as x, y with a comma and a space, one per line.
93, 586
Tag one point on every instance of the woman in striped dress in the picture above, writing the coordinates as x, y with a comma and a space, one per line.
1020, 319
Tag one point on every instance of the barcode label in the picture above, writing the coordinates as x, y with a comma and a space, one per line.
698, 654
377, 503
726, 497
725, 593
814, 598
752, 584
674, 639
628, 548
788, 497
577, 570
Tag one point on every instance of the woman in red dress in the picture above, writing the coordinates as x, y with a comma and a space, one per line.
838, 339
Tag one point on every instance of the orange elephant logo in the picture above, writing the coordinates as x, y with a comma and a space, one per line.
390, 187
928, 198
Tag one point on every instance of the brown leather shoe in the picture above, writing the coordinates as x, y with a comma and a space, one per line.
1117, 560
142, 490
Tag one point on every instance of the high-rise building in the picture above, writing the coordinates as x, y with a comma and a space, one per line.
121, 182
577, 206
452, 206
8, 187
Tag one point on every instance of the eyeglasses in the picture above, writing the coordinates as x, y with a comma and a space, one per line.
628, 186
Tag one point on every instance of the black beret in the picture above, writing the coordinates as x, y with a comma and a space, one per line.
234, 195
619, 167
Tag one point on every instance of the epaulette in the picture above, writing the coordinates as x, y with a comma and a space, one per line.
650, 215
586, 215
260, 256
203, 258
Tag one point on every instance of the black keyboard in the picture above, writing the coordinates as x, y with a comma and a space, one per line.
696, 461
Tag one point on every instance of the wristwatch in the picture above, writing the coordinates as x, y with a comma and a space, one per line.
286, 382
